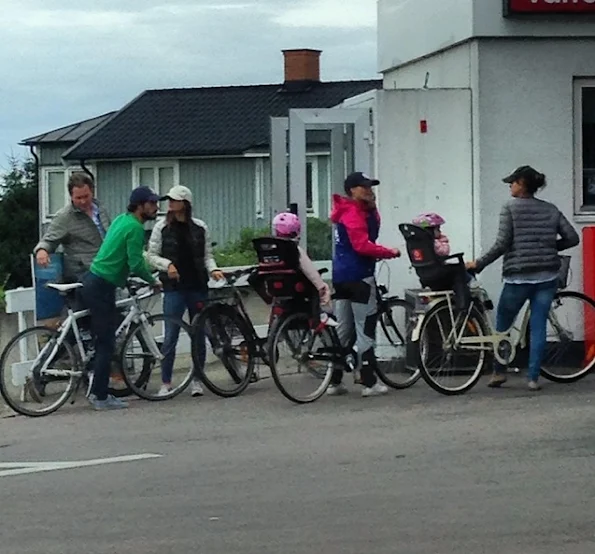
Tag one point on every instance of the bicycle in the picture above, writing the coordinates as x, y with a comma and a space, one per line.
459, 343
45, 367
238, 346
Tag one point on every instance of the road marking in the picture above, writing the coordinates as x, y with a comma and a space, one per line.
21, 468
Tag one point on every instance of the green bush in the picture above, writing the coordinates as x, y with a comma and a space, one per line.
319, 239
240, 252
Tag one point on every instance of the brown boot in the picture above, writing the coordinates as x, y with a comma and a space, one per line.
496, 380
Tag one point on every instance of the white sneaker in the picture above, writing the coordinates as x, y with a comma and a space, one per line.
377, 390
196, 389
337, 390
164, 390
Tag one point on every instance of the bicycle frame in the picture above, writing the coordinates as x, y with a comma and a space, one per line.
134, 315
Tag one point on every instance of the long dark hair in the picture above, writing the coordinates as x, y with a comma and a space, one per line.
170, 217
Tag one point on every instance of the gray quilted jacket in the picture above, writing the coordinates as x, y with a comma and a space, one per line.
528, 238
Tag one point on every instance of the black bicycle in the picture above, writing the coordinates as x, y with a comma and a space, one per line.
300, 350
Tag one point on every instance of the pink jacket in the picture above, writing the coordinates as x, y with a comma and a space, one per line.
310, 271
442, 246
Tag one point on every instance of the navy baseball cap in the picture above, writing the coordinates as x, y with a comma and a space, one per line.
143, 194
359, 179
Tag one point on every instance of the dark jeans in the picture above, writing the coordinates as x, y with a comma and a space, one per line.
512, 299
175, 304
99, 296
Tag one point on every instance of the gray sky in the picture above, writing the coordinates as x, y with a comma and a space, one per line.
61, 62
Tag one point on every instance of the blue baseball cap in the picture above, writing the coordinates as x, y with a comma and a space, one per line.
143, 194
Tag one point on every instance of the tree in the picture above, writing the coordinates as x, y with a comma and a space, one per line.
18, 222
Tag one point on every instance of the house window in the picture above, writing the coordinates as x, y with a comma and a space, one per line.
585, 145
312, 204
55, 189
259, 188
160, 176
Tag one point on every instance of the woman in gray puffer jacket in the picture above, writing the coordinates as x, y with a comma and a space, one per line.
528, 240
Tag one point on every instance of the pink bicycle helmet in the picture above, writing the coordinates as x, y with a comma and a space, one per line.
429, 220
287, 225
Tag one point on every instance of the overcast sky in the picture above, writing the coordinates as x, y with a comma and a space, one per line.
63, 61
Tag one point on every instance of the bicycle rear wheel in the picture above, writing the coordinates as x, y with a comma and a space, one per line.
142, 371
395, 368
570, 348
24, 387
301, 358
446, 365
230, 363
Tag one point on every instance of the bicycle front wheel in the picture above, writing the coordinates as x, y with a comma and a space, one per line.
149, 377
396, 368
26, 386
302, 358
448, 366
227, 366
570, 348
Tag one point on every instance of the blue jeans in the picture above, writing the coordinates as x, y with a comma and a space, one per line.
540, 296
175, 304
99, 296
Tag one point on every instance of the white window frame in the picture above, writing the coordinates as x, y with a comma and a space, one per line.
315, 210
45, 191
155, 165
581, 212
259, 188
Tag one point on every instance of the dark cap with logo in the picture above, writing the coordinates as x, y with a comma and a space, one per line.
522, 172
359, 179
143, 194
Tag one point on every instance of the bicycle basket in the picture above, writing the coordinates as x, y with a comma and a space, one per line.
564, 274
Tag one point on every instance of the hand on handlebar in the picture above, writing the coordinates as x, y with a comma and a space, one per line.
157, 286
396, 252
172, 272
471, 266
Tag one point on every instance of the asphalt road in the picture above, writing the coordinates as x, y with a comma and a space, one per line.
491, 472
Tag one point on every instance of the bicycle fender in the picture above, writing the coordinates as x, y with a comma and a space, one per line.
417, 329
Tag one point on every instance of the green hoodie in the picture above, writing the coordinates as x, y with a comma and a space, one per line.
121, 253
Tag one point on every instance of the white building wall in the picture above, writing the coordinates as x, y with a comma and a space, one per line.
525, 96
448, 69
411, 29
424, 171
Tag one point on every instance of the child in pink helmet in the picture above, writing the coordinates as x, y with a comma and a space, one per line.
432, 222
287, 225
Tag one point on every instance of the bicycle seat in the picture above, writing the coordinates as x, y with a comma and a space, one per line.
64, 287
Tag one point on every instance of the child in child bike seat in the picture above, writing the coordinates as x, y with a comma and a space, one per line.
287, 225
433, 222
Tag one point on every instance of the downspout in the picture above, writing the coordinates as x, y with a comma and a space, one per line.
87, 170
39, 191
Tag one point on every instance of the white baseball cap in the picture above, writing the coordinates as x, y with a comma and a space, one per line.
179, 192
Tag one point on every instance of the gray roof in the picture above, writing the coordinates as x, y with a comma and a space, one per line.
207, 121
71, 133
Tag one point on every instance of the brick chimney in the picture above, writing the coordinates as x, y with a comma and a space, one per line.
302, 65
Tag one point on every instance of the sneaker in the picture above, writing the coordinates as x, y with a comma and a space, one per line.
337, 390
196, 389
496, 380
164, 390
110, 403
375, 390
533, 386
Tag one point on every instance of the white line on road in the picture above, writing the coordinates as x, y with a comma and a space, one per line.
21, 468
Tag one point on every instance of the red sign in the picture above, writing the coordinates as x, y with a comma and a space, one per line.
551, 6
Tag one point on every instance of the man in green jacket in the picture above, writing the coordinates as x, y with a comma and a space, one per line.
120, 255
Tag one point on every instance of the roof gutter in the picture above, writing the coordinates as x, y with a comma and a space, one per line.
36, 158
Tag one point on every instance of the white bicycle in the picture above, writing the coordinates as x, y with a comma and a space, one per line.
41, 368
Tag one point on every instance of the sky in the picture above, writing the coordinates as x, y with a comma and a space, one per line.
64, 61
